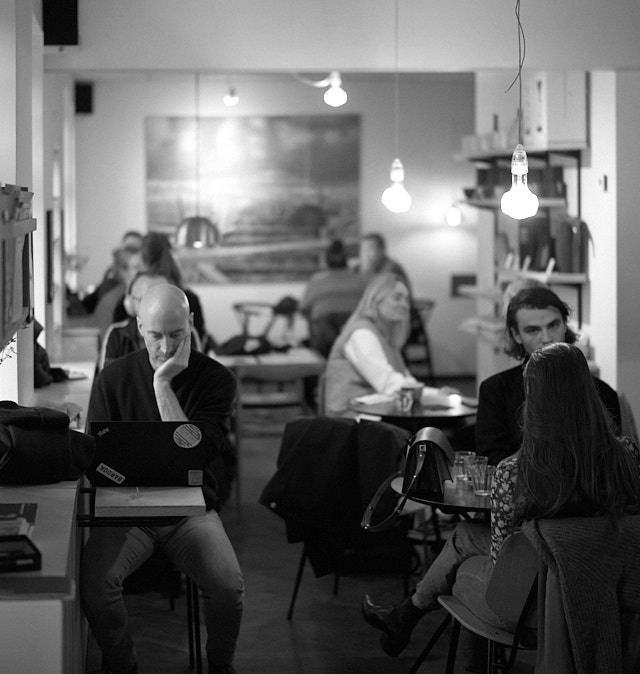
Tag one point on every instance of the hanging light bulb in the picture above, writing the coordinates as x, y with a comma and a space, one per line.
396, 198
453, 216
335, 95
231, 98
519, 202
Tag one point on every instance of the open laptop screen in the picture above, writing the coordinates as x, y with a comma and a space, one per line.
148, 453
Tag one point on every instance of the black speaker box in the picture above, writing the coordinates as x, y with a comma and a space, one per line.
84, 98
60, 22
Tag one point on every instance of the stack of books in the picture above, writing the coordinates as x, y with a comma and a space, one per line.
17, 518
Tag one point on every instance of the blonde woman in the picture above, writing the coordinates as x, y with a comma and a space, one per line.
366, 357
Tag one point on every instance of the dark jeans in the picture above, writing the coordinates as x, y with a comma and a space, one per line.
198, 546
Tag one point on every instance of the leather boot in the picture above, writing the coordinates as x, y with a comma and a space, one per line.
396, 622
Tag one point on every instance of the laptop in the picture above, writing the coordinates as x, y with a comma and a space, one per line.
148, 454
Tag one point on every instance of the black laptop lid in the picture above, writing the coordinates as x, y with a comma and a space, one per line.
148, 453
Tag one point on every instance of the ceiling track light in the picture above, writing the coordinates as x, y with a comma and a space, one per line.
335, 95
396, 198
519, 202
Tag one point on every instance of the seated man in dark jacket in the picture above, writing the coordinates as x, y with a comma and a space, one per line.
165, 381
535, 317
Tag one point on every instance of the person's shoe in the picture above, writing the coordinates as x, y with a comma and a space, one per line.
396, 621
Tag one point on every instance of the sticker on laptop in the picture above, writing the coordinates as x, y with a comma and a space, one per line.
110, 473
187, 436
195, 478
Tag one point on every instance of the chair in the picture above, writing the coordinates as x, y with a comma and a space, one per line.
328, 469
512, 595
417, 350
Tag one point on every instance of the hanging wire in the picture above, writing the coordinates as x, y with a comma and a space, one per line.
197, 109
522, 48
395, 80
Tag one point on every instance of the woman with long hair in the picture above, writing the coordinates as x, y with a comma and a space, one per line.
570, 464
366, 357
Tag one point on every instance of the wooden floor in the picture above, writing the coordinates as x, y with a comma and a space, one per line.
327, 634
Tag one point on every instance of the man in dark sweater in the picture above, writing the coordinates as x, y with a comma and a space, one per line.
535, 317
166, 381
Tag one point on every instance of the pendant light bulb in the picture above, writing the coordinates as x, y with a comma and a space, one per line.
231, 98
453, 216
396, 198
335, 95
519, 202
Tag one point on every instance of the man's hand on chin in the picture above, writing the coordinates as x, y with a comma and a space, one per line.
176, 364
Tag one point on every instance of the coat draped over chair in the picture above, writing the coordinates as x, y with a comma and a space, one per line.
588, 594
328, 469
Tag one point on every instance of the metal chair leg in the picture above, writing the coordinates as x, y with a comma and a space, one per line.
193, 627
432, 642
296, 587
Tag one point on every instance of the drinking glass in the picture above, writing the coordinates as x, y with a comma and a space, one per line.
460, 473
482, 475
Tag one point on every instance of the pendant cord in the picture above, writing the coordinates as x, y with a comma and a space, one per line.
197, 109
522, 48
396, 96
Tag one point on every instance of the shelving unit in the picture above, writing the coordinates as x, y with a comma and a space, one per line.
488, 325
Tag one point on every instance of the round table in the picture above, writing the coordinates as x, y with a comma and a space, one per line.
420, 414
453, 500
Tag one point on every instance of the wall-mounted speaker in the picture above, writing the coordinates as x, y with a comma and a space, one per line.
60, 22
84, 98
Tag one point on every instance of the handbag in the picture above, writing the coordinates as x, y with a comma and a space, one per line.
427, 464
38, 447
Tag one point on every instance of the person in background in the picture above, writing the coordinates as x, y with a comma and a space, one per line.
374, 259
131, 242
166, 381
330, 298
366, 357
124, 337
535, 317
157, 258
129, 264
570, 464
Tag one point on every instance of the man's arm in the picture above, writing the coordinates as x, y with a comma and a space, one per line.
168, 405
494, 434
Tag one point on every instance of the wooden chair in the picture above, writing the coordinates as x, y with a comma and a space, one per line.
511, 594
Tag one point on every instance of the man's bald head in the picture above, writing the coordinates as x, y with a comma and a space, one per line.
164, 299
164, 320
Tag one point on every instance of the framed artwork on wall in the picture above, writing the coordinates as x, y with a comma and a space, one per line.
275, 189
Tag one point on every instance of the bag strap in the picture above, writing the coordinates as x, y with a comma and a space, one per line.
368, 513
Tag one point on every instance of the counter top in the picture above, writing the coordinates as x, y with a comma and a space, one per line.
53, 534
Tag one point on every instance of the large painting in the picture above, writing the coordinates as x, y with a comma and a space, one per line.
276, 189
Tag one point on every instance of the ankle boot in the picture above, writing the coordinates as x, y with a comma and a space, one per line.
397, 623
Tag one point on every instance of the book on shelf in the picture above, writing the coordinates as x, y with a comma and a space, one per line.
17, 518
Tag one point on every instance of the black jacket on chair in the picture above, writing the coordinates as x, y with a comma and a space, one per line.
328, 468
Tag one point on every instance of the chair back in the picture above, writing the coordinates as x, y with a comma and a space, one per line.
511, 590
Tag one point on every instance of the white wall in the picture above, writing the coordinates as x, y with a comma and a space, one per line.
599, 211
435, 111
628, 240
279, 35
